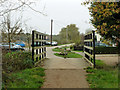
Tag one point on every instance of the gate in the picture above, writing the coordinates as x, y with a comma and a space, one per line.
38, 46
89, 48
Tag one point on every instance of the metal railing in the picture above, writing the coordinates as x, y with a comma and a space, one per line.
38, 46
89, 48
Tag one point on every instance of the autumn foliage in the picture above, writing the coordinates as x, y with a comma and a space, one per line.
106, 18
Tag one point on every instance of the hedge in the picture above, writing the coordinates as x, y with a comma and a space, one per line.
106, 50
78, 48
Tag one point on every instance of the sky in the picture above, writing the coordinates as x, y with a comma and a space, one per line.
63, 13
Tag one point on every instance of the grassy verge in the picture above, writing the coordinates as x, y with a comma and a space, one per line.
104, 77
28, 78
70, 55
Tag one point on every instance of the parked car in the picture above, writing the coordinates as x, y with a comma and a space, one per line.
101, 44
54, 43
13, 46
43, 43
49, 43
22, 44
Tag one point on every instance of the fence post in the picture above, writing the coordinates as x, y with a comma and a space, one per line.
33, 45
94, 49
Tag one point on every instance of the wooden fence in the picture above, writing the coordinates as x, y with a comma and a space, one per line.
38, 46
89, 48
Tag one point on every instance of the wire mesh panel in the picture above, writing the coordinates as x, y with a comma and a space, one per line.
89, 47
38, 46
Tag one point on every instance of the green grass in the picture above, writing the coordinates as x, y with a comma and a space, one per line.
100, 64
28, 78
106, 77
101, 78
59, 49
70, 55
56, 50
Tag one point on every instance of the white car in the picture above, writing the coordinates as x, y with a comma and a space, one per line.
53, 43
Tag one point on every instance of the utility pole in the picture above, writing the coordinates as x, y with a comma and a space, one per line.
51, 30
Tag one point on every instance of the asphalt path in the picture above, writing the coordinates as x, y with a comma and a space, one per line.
64, 73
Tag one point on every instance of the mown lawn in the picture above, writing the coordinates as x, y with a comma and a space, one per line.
28, 78
103, 76
69, 55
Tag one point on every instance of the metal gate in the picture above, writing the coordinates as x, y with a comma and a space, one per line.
38, 46
89, 48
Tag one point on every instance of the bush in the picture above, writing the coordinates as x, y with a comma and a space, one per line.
71, 47
80, 48
15, 61
106, 50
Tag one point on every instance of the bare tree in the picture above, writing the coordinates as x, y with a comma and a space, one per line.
7, 6
28, 35
10, 29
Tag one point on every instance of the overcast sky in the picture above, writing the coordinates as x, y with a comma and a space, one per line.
63, 12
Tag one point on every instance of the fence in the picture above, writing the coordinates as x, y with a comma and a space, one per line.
89, 48
38, 46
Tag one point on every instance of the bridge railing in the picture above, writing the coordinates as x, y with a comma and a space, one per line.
89, 48
38, 46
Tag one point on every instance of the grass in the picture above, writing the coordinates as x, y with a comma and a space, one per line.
58, 49
28, 78
70, 55
106, 77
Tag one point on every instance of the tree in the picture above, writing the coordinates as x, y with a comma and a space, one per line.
106, 18
28, 35
70, 34
82, 37
7, 6
88, 30
10, 29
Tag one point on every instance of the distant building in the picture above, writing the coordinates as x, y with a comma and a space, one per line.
98, 37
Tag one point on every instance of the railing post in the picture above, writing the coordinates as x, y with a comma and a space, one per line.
94, 49
33, 45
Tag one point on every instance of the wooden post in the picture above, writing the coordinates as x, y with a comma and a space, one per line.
33, 45
94, 48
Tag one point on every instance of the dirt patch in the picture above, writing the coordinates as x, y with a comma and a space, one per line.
65, 79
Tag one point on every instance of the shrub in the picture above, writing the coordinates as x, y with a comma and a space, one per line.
15, 61
71, 47
106, 50
78, 48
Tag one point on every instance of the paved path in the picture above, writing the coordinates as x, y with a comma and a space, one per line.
64, 73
